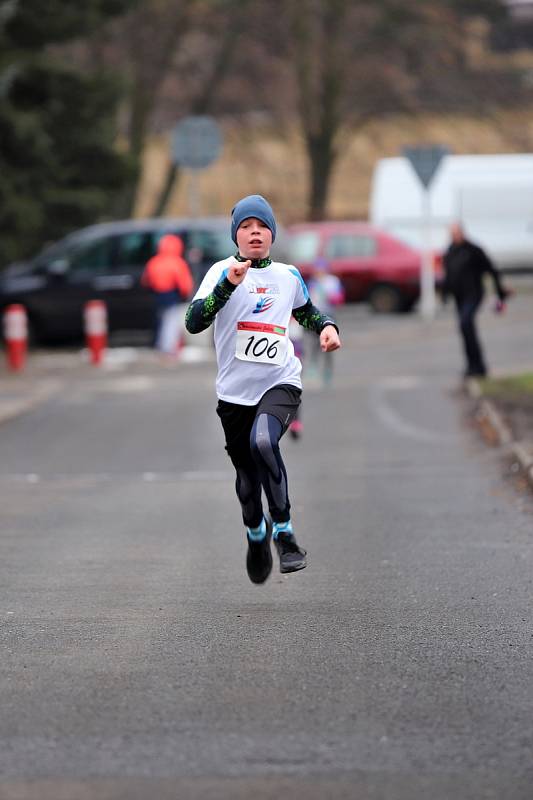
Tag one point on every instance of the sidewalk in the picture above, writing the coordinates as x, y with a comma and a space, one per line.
42, 377
46, 372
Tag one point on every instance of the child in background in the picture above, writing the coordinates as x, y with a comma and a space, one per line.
326, 292
169, 277
296, 334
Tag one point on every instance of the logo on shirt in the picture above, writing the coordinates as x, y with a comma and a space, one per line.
263, 304
270, 288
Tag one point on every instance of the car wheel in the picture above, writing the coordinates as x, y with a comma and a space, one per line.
385, 299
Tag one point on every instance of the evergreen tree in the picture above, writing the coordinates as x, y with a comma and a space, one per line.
59, 165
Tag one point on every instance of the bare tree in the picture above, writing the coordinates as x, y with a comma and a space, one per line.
144, 47
352, 61
337, 63
174, 55
222, 23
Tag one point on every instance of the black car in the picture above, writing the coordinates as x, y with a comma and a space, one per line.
105, 262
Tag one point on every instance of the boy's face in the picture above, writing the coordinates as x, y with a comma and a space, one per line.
254, 238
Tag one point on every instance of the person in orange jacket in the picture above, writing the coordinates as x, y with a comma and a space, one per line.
169, 277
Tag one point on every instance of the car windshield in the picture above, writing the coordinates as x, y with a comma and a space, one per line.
303, 246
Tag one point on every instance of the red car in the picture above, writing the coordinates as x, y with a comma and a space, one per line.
372, 265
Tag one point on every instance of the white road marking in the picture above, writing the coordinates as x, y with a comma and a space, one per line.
206, 476
107, 477
392, 419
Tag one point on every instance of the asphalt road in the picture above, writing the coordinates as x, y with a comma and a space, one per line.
137, 659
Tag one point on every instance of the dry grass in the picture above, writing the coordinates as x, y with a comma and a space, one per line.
259, 159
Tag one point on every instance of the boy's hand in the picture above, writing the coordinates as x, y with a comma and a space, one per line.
329, 339
237, 271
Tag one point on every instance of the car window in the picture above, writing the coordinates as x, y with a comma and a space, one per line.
91, 258
51, 253
213, 245
303, 246
350, 245
135, 249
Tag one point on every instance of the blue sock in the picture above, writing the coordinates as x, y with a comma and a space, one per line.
257, 534
281, 527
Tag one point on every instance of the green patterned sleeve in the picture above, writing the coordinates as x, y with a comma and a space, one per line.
202, 312
312, 319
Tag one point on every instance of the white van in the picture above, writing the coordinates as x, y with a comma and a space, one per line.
491, 195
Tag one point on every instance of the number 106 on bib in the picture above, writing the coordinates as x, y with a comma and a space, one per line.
261, 343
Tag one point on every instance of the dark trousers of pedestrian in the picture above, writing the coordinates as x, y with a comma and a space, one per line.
467, 308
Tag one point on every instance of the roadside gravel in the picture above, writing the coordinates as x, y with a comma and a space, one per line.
506, 421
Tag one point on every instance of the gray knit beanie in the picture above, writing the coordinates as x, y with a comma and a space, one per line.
252, 206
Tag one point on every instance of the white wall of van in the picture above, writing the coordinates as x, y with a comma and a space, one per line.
491, 195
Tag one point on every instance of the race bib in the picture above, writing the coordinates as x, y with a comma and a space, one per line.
261, 343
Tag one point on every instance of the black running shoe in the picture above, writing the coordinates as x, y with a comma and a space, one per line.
259, 557
291, 556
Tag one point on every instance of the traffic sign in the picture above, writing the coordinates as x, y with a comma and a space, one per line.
196, 142
425, 161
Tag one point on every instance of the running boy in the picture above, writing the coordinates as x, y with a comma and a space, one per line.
251, 299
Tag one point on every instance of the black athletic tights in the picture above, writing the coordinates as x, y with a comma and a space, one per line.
252, 442
258, 463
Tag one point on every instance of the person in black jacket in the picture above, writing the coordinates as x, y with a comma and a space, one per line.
465, 264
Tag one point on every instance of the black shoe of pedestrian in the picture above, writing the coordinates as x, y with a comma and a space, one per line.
476, 372
291, 556
259, 557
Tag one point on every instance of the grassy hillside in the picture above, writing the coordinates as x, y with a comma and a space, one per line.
256, 158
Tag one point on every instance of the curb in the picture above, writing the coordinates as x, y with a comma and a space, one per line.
496, 432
